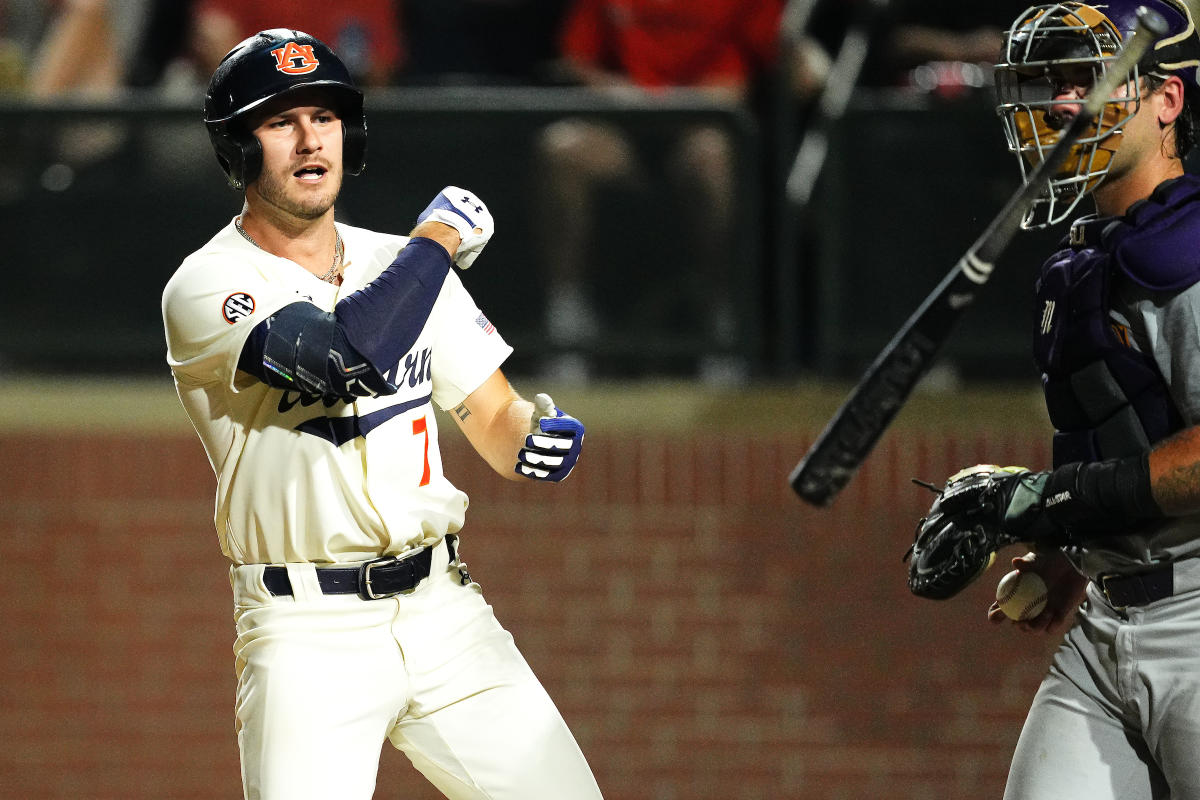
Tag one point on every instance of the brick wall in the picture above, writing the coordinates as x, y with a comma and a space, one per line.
705, 633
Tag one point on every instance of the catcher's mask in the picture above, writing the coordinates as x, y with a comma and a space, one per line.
1052, 55
265, 66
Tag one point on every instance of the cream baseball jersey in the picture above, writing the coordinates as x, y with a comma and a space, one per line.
301, 479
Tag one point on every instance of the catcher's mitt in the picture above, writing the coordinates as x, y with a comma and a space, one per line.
959, 538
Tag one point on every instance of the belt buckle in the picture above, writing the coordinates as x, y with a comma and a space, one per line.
365, 590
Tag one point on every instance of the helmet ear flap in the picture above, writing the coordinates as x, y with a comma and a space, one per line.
354, 146
238, 152
252, 157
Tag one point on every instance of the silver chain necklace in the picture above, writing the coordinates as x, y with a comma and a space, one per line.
339, 249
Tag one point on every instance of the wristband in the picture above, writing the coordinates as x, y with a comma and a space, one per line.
1101, 497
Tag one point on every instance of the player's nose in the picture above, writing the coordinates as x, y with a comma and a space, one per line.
1066, 107
310, 140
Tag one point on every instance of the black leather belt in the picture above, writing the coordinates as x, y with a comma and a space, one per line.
1140, 589
374, 580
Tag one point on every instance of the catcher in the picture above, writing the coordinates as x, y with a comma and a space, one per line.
1113, 527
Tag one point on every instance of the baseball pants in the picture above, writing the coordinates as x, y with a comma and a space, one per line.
324, 680
1118, 715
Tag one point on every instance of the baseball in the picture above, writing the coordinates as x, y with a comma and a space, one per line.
1021, 595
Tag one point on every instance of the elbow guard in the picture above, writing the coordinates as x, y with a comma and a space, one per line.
304, 349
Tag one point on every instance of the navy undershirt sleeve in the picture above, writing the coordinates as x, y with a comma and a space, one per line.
378, 324
384, 318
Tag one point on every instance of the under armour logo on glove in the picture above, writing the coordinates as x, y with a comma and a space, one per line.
466, 213
552, 447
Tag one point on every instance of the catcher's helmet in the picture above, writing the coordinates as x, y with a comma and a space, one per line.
266, 65
1071, 43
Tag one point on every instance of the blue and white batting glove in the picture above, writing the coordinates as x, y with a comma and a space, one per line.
467, 214
552, 446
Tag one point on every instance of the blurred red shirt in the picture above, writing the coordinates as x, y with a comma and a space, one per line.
659, 43
365, 34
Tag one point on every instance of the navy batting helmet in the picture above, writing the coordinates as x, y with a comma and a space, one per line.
1071, 43
265, 66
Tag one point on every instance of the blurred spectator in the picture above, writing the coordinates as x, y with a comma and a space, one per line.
637, 48
364, 33
480, 42
106, 31
174, 55
143, 44
930, 45
130, 43
925, 39
21, 26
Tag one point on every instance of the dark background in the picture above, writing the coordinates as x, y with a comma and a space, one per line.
909, 184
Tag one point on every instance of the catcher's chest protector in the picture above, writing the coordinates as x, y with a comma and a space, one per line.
1105, 398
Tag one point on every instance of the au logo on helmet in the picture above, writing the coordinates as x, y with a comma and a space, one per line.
295, 59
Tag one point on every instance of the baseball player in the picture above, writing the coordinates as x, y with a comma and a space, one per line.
309, 356
1113, 524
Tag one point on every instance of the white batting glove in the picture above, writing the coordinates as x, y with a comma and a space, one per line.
553, 444
466, 213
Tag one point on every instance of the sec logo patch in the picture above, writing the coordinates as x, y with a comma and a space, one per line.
237, 306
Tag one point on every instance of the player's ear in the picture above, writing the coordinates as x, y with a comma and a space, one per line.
1170, 105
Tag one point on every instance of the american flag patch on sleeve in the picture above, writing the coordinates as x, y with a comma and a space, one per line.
484, 323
